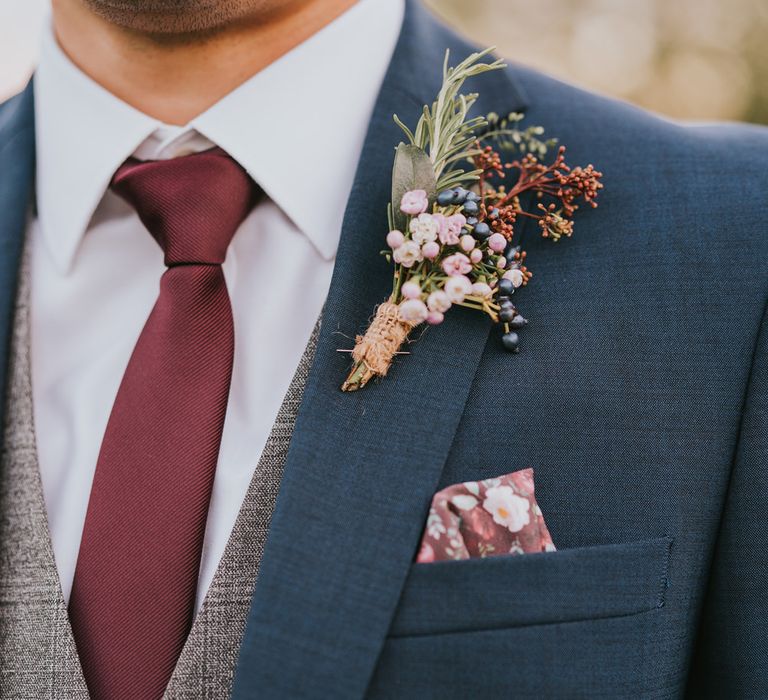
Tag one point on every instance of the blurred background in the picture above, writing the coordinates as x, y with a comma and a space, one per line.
688, 59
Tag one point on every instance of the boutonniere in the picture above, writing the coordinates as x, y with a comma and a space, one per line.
456, 207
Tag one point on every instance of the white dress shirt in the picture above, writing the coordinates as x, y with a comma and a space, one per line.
297, 127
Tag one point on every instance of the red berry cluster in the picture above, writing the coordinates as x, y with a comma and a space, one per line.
563, 186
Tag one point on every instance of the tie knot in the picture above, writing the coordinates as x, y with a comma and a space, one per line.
192, 205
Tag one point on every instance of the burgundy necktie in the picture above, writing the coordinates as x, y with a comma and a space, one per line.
133, 595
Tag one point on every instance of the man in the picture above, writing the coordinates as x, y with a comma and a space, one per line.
181, 202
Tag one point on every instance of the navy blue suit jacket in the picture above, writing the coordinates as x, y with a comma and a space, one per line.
640, 398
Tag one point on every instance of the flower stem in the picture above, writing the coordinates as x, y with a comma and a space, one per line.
360, 375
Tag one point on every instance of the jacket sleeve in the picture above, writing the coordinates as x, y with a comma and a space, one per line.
731, 654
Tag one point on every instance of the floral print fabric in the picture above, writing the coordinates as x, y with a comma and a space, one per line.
485, 518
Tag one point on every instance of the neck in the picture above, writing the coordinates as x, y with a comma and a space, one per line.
176, 78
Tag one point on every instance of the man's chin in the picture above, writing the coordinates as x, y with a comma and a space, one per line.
171, 18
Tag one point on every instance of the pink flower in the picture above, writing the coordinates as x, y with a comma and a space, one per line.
457, 264
467, 243
430, 250
411, 290
423, 229
514, 276
408, 254
395, 239
457, 287
507, 508
497, 242
453, 227
442, 224
414, 202
434, 317
476, 255
481, 289
414, 311
438, 301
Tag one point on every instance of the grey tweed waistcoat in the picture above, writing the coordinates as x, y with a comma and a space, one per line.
38, 657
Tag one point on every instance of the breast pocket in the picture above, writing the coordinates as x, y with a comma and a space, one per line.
569, 585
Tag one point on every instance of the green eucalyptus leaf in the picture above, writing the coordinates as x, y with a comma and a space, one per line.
412, 170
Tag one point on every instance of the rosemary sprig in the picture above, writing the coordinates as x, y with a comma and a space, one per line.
443, 131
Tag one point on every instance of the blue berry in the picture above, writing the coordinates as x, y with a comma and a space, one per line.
506, 288
507, 313
460, 195
471, 221
473, 197
518, 322
482, 230
471, 207
511, 342
445, 198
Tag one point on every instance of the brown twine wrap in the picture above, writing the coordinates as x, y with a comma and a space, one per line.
382, 340
374, 351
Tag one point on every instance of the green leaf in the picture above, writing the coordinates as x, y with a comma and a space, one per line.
412, 171
407, 131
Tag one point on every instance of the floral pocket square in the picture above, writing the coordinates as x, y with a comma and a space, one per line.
485, 518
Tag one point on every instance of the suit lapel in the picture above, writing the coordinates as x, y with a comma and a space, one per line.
362, 467
17, 159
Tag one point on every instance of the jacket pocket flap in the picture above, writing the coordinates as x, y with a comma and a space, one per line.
530, 589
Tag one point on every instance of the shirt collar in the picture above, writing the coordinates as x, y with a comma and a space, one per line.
297, 127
